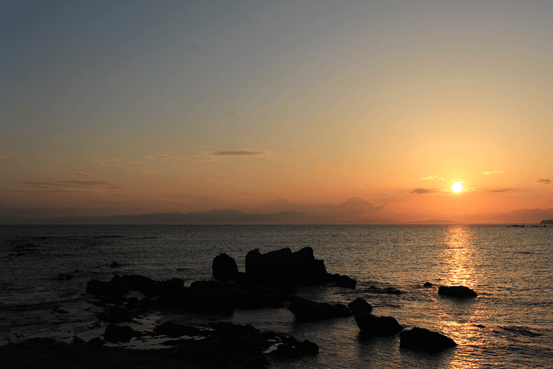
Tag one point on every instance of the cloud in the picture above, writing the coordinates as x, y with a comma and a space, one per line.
73, 184
494, 172
240, 153
195, 48
502, 190
35, 191
544, 181
213, 155
163, 157
422, 191
428, 178
82, 174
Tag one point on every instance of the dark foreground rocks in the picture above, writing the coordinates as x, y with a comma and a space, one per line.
456, 291
377, 326
424, 339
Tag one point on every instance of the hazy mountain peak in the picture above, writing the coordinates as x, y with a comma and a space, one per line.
357, 202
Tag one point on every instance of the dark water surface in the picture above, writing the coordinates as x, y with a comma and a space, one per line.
509, 324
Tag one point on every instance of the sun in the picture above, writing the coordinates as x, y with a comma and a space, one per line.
457, 187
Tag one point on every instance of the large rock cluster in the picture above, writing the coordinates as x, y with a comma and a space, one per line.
279, 268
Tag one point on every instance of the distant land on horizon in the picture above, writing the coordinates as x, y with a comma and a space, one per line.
352, 211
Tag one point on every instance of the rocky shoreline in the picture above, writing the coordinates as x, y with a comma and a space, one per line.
269, 281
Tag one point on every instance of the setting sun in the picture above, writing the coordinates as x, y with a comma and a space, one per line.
457, 187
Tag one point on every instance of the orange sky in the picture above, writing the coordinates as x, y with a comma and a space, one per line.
117, 108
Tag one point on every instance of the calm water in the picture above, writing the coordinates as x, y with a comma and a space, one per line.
510, 324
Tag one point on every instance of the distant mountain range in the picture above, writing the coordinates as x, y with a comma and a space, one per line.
352, 211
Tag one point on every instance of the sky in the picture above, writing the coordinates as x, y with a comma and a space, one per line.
128, 107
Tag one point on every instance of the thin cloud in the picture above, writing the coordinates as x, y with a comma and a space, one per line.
422, 191
428, 178
36, 191
84, 174
214, 155
494, 172
544, 181
502, 190
162, 157
240, 153
73, 184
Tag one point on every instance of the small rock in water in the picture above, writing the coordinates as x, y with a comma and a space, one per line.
115, 264
359, 305
424, 339
427, 285
372, 325
456, 291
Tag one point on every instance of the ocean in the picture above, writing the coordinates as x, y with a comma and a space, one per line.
44, 271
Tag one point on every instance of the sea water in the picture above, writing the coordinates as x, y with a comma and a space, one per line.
44, 271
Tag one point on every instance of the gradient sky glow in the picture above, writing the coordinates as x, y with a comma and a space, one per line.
143, 106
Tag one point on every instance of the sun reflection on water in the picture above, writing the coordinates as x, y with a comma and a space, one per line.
461, 319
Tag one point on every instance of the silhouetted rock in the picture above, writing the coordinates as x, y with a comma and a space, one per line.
117, 333
282, 267
307, 310
115, 265
423, 339
359, 305
456, 291
427, 285
387, 290
372, 325
224, 267
342, 280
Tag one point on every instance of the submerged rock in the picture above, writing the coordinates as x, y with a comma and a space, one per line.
387, 290
307, 310
372, 325
456, 291
424, 339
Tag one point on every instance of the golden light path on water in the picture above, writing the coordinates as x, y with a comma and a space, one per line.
462, 319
